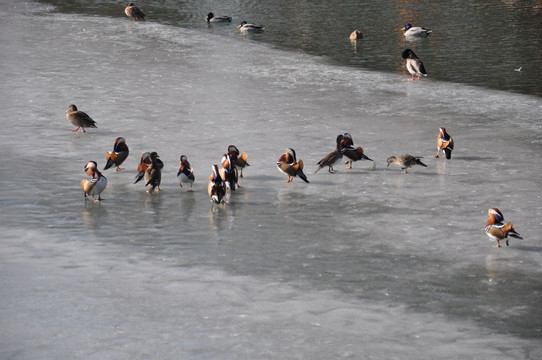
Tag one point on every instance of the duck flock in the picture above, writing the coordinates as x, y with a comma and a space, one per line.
224, 177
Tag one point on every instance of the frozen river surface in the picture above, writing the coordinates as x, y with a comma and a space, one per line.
361, 264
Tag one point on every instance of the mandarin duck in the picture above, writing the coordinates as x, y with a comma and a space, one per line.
97, 184
353, 154
142, 167
228, 171
238, 159
185, 173
288, 164
445, 143
216, 187
153, 174
118, 155
498, 231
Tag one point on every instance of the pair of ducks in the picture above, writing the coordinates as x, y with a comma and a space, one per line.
97, 184
243, 27
445, 144
413, 64
150, 169
227, 176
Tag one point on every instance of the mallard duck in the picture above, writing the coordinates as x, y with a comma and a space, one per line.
356, 35
118, 155
97, 184
330, 159
415, 31
405, 161
445, 143
498, 231
185, 173
244, 26
353, 154
288, 164
134, 13
413, 64
153, 174
216, 187
79, 118
221, 18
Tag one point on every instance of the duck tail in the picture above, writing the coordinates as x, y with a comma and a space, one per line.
419, 162
302, 175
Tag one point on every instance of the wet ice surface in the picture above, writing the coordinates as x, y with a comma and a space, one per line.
358, 264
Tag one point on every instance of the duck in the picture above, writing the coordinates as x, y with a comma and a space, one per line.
134, 13
228, 172
221, 18
405, 161
415, 31
288, 164
153, 174
244, 27
330, 159
445, 143
497, 230
216, 187
79, 118
143, 166
413, 64
356, 35
353, 154
495, 217
238, 159
97, 184
185, 173
118, 155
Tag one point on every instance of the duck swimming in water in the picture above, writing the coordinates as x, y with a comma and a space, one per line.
244, 27
415, 31
221, 18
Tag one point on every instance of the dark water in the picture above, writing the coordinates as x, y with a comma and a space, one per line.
477, 43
